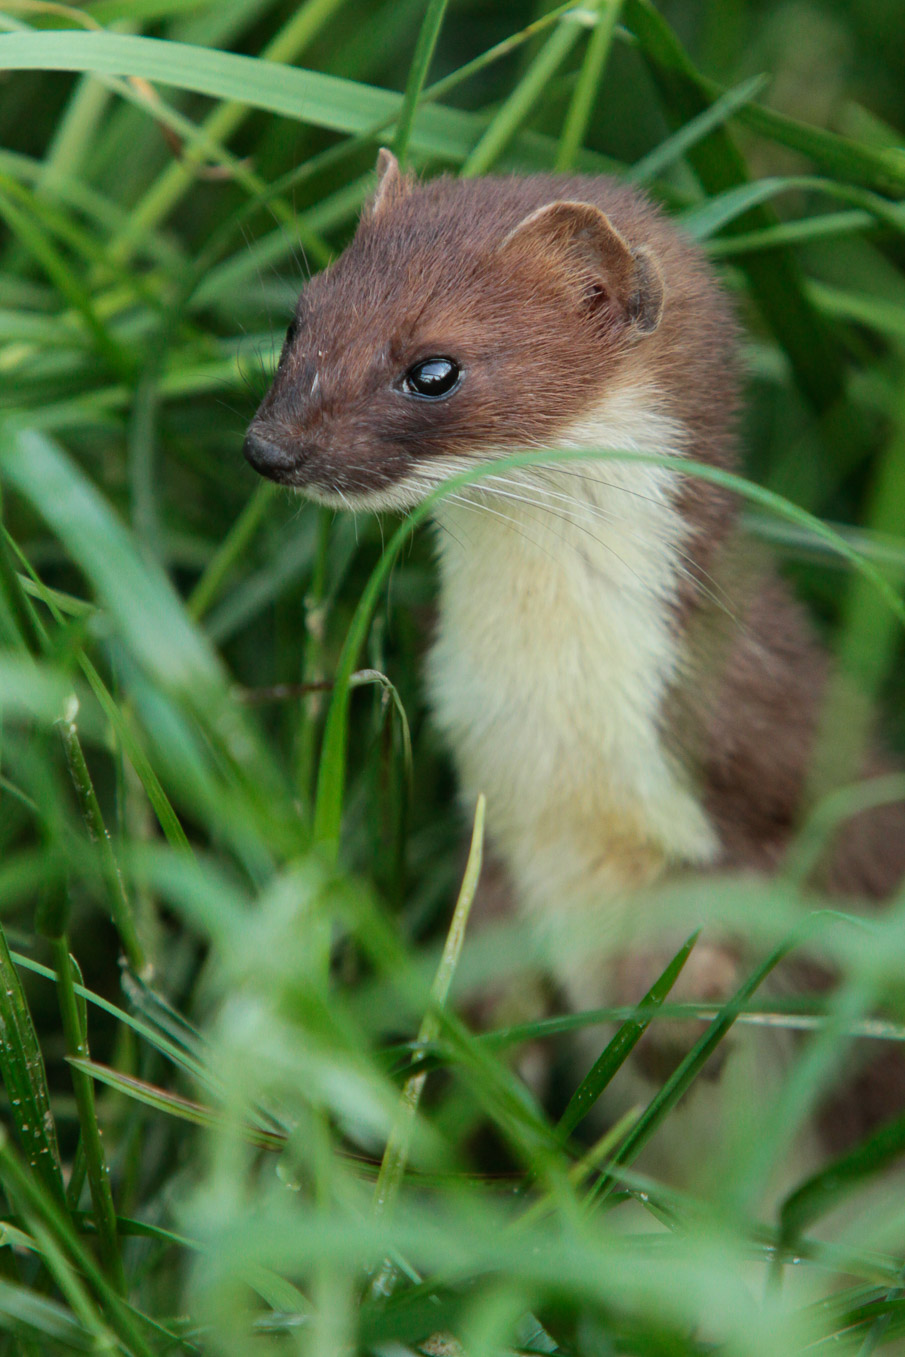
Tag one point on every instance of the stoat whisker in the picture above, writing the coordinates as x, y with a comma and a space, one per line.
583, 506
444, 527
347, 503
637, 537
551, 475
479, 507
692, 571
565, 518
482, 486
696, 574
427, 484
558, 469
537, 479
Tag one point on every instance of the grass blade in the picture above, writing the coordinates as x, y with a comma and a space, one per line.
693, 131
623, 1043
21, 1305
25, 1079
121, 909
139, 597
877, 167
95, 1159
396, 1154
63, 1244
31, 234
831, 1185
424, 52
287, 45
776, 282
119, 721
860, 308
230, 550
395, 1157
704, 221
868, 641
518, 105
802, 232
326, 101
155, 1039
42, 1243
685, 1074
150, 1095
588, 87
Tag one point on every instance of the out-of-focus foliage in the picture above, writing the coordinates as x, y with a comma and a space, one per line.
170, 172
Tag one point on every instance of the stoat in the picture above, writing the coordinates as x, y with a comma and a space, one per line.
622, 674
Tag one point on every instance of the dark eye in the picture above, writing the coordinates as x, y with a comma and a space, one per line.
432, 378
293, 330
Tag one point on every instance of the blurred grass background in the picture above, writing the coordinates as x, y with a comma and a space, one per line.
196, 1101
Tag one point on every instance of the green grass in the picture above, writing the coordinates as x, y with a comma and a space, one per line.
242, 1110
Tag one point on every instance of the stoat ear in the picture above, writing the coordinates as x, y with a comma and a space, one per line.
581, 241
392, 184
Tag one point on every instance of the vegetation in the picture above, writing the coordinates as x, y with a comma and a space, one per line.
241, 1114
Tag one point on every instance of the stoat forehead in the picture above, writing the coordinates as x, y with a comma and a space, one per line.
539, 304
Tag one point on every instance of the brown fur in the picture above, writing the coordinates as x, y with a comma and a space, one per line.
432, 272
548, 290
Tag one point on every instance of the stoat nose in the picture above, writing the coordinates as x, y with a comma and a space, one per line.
267, 457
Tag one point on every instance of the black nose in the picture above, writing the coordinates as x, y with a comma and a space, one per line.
267, 457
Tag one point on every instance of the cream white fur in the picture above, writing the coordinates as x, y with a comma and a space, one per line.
555, 650
554, 654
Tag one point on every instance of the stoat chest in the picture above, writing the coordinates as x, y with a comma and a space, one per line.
556, 648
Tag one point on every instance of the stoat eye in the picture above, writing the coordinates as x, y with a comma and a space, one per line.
432, 378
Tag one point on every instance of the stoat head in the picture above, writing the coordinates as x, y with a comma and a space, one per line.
466, 319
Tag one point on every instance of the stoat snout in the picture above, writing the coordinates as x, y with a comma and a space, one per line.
277, 461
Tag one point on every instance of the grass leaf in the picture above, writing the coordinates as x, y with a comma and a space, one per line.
622, 1044
776, 283
687, 1071
826, 1189
424, 51
172, 1104
25, 1079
